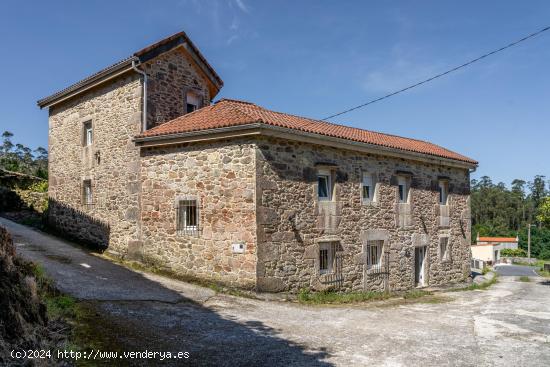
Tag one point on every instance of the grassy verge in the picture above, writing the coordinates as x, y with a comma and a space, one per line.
82, 324
476, 286
335, 298
524, 279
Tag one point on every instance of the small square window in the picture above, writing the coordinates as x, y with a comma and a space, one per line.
88, 133
444, 251
187, 217
443, 191
87, 198
324, 185
374, 252
368, 188
192, 101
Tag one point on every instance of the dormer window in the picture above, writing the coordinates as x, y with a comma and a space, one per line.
192, 101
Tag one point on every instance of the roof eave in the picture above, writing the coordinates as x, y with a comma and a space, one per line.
101, 77
302, 136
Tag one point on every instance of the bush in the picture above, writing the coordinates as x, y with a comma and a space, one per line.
513, 252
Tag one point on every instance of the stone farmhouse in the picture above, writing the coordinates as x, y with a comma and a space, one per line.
143, 164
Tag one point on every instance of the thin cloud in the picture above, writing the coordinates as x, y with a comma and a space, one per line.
231, 39
242, 6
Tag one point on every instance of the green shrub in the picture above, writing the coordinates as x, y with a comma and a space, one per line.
513, 252
40, 186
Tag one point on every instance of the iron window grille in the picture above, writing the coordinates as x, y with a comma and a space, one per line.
87, 193
374, 253
187, 218
444, 250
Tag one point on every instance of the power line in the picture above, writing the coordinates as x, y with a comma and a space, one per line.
439, 75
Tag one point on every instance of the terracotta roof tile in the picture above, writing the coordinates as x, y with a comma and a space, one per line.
228, 112
497, 239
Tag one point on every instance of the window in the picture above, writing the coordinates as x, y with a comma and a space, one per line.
324, 185
87, 198
374, 252
192, 101
187, 217
444, 251
368, 188
327, 254
403, 188
88, 134
443, 191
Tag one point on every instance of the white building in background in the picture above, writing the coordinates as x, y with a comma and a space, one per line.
488, 248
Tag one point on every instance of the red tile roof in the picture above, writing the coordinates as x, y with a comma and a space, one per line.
227, 112
497, 239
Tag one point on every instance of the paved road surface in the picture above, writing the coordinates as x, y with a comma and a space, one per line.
507, 325
515, 270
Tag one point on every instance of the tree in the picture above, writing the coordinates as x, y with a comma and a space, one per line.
21, 159
543, 212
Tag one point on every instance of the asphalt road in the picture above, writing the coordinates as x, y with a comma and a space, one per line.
515, 270
506, 325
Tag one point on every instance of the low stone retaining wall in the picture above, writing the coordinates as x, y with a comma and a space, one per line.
518, 260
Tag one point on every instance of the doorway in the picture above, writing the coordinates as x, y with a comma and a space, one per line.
419, 266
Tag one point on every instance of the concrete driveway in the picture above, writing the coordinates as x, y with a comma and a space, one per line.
509, 270
507, 325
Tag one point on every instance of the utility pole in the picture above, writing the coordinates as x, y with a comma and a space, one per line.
529, 241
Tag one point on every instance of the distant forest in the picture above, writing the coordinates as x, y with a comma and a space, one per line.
20, 158
499, 211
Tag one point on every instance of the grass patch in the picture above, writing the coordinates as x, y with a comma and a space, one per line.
475, 286
524, 278
416, 293
543, 273
331, 297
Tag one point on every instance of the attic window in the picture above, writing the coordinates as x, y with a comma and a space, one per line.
192, 101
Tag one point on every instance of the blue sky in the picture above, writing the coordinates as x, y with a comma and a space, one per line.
313, 58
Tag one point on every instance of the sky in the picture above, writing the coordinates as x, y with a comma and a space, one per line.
313, 58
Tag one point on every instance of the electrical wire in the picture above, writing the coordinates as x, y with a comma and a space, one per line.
439, 75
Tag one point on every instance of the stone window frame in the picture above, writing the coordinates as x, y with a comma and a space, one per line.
329, 249
193, 231
375, 187
443, 183
370, 235
329, 172
447, 256
87, 192
84, 136
200, 98
406, 179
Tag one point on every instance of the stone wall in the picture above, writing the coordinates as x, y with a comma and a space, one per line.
171, 75
111, 163
291, 221
221, 177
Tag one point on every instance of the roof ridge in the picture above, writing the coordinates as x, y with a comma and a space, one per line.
347, 126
